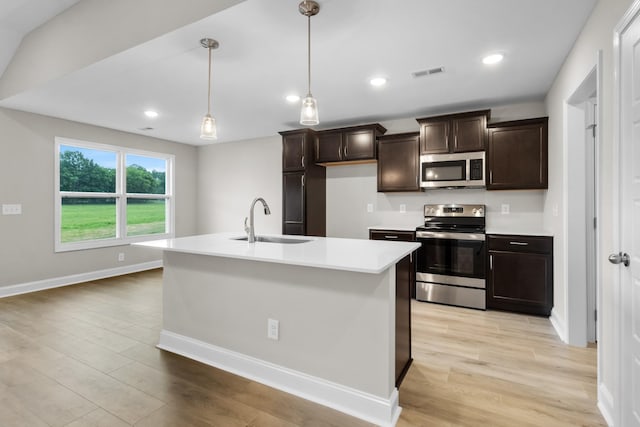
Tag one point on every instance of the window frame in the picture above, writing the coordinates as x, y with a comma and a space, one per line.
120, 195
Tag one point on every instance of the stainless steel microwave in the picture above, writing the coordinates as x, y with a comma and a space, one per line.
452, 170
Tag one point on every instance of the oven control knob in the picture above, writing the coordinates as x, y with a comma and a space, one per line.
474, 211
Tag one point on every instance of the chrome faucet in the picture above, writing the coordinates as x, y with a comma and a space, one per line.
250, 230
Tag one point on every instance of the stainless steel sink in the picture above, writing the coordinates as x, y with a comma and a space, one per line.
266, 239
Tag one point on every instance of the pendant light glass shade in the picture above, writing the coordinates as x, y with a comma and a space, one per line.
208, 129
309, 112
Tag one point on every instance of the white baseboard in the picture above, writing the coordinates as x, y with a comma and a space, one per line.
559, 325
380, 411
605, 404
57, 282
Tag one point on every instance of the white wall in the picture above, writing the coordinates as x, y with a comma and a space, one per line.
230, 176
596, 35
27, 176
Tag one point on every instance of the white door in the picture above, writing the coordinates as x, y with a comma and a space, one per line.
630, 222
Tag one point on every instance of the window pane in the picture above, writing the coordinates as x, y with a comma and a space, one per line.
145, 216
146, 174
87, 169
87, 219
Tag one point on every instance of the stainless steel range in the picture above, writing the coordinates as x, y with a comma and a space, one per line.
452, 259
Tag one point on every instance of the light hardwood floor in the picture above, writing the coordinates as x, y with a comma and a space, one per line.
84, 355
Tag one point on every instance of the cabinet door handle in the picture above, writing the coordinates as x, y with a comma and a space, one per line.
345, 151
519, 243
302, 162
491, 262
302, 179
388, 236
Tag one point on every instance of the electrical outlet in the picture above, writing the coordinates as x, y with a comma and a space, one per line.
505, 209
121, 256
555, 210
369, 207
403, 208
12, 209
273, 329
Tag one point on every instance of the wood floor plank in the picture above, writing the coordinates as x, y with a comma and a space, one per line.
114, 396
14, 413
98, 418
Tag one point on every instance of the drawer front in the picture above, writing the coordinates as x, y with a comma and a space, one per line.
392, 235
516, 243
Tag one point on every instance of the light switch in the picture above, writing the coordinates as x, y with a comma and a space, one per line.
369, 207
12, 209
403, 208
505, 209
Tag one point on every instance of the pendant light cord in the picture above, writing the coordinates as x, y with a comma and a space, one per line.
209, 86
309, 54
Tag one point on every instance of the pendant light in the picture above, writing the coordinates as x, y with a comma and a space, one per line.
309, 111
208, 129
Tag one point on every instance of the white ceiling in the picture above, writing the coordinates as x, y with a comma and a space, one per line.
262, 58
19, 17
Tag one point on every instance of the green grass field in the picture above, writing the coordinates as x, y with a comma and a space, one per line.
90, 222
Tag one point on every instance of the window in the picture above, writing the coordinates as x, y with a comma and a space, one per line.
108, 195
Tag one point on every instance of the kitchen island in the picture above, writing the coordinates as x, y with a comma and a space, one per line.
325, 319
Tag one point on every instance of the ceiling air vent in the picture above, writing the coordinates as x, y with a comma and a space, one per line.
423, 73
146, 129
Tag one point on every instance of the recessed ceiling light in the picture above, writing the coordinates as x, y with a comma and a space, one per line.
292, 98
378, 81
492, 59
151, 114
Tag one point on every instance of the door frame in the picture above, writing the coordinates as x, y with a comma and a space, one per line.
576, 302
617, 404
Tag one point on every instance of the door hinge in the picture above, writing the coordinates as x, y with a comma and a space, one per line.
595, 315
595, 222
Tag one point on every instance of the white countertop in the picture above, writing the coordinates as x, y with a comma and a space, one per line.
525, 231
359, 255
398, 227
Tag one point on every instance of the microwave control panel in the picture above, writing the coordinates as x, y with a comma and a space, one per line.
476, 171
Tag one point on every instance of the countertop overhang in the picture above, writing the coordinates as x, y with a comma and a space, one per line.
357, 255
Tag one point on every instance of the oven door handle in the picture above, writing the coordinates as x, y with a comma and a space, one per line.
450, 236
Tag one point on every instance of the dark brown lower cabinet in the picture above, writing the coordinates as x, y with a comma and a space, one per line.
398, 236
520, 277
405, 291
403, 317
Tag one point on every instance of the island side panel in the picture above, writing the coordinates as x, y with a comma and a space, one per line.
335, 325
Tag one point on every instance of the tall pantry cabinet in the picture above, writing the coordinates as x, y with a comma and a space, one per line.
303, 185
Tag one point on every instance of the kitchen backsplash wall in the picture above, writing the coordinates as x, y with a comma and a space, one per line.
352, 191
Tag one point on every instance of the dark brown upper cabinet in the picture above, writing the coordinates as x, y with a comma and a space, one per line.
517, 155
355, 144
399, 162
454, 133
296, 149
